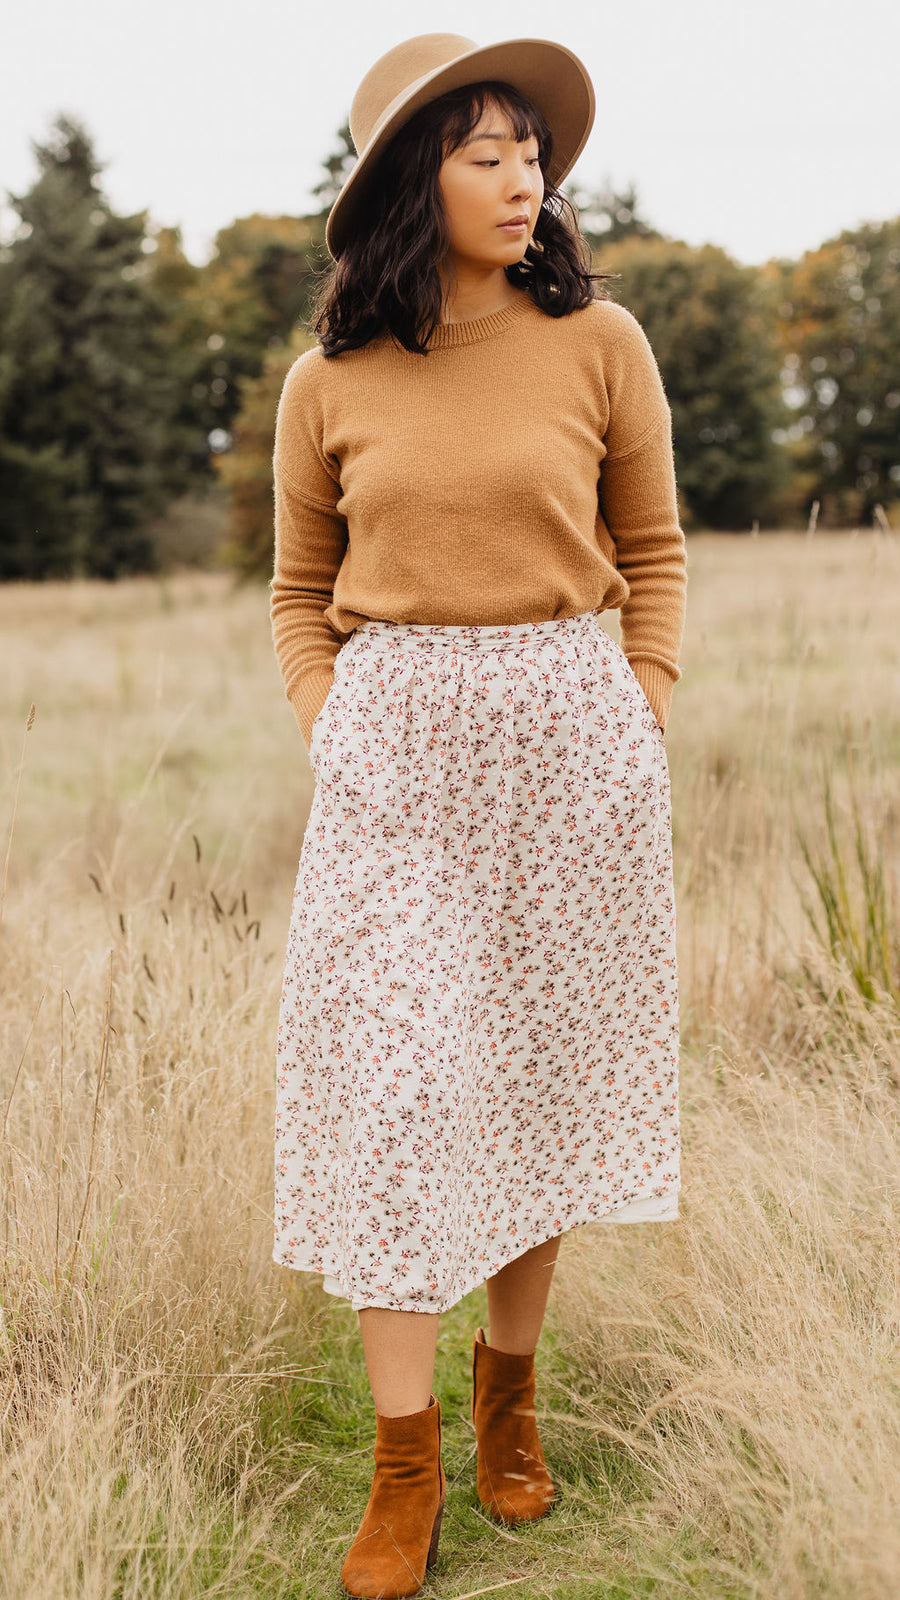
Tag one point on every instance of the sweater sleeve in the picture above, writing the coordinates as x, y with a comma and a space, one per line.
637, 500
310, 542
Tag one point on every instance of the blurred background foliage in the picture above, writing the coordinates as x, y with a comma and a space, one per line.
138, 390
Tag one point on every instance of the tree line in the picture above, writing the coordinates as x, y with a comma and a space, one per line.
129, 376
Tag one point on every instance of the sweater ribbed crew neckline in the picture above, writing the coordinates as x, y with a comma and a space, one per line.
450, 335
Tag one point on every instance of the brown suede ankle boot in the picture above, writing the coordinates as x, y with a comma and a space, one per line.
398, 1536
513, 1482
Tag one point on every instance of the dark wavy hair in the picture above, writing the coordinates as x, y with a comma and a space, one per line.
387, 277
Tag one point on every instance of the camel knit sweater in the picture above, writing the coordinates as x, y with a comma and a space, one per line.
520, 470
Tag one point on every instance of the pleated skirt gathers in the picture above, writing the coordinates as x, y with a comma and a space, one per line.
478, 1031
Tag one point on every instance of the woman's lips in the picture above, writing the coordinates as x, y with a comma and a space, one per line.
513, 227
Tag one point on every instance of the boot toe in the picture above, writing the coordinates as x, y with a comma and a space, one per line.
525, 1502
375, 1576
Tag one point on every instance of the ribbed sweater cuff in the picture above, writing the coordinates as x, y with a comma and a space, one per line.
308, 698
657, 685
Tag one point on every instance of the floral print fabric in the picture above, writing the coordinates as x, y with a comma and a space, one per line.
478, 1032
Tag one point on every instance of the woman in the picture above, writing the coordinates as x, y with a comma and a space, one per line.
477, 1044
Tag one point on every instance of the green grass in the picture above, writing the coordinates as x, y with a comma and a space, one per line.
854, 916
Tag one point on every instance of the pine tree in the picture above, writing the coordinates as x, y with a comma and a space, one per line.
607, 216
336, 169
88, 446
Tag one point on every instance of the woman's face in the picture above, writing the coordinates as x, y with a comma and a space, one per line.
490, 182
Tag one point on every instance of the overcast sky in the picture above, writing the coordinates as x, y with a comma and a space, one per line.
764, 128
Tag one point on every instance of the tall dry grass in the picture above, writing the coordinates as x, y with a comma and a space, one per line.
720, 1397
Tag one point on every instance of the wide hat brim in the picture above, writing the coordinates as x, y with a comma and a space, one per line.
549, 74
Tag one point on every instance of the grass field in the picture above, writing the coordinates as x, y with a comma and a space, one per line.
719, 1398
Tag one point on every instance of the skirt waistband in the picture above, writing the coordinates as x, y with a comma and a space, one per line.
490, 636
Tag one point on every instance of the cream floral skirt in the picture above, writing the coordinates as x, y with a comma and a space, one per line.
478, 1033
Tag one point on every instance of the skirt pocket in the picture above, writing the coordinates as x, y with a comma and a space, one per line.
317, 726
324, 716
648, 715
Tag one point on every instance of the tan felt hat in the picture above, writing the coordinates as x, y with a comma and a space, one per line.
423, 68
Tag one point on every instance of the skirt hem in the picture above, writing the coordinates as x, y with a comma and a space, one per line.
578, 1219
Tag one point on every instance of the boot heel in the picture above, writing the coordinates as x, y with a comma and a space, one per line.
435, 1535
